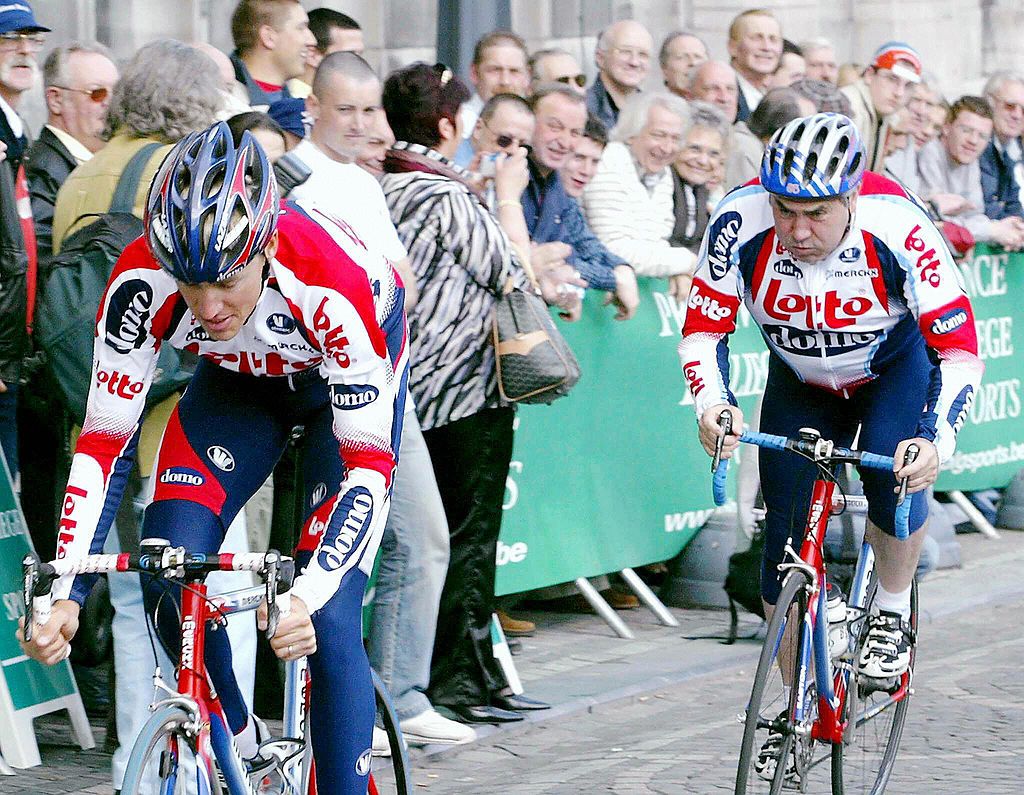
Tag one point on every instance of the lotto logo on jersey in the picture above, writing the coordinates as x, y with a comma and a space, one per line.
353, 396
350, 521
818, 343
725, 231
828, 310
117, 383
335, 342
949, 321
928, 262
717, 307
73, 495
693, 379
128, 309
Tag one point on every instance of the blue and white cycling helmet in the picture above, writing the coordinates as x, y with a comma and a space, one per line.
815, 157
212, 207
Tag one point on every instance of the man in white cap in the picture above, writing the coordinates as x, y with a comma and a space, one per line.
881, 91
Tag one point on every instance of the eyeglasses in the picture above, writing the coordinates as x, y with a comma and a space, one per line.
580, 80
1009, 107
13, 41
630, 54
95, 94
504, 140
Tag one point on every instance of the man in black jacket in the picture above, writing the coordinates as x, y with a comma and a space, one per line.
79, 82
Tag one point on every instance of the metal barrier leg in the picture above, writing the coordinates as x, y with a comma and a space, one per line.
602, 608
647, 596
976, 517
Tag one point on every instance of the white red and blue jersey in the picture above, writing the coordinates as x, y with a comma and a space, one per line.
327, 303
837, 323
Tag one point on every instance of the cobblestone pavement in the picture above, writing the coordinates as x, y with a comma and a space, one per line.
658, 714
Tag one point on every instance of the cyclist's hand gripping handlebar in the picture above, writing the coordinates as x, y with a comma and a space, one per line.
37, 582
278, 577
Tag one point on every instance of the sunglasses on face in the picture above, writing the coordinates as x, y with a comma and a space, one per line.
95, 94
580, 80
505, 141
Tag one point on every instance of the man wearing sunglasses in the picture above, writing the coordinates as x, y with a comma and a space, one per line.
79, 81
557, 66
21, 37
505, 124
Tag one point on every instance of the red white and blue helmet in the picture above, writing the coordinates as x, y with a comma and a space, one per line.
815, 157
212, 207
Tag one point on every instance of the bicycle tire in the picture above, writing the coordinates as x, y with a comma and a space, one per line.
849, 778
398, 762
763, 696
168, 721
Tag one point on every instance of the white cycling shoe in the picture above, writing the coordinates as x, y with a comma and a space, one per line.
887, 646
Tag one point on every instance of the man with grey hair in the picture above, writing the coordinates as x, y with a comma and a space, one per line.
78, 80
21, 37
820, 60
1002, 162
556, 65
680, 54
345, 104
167, 90
623, 57
629, 202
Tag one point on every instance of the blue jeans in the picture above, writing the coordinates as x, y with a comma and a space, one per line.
414, 560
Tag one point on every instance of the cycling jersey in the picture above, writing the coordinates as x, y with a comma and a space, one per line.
840, 322
328, 304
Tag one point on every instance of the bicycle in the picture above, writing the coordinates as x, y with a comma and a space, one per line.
187, 738
831, 712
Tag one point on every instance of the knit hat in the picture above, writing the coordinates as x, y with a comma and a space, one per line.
899, 58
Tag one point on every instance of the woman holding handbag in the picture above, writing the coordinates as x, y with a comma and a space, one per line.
462, 260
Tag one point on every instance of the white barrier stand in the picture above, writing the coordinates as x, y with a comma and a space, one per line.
648, 597
976, 517
603, 609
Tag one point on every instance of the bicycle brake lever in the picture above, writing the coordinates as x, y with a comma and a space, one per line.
725, 423
908, 458
30, 575
272, 564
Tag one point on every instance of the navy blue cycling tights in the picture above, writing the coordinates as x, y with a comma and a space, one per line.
234, 427
888, 410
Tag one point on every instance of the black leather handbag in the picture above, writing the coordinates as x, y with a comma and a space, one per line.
535, 363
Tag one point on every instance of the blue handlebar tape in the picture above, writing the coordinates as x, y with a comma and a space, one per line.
764, 440
903, 517
718, 482
874, 461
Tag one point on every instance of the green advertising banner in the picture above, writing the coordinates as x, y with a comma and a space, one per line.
613, 475
990, 447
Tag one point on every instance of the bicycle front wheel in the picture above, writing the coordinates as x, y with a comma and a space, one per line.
165, 757
390, 774
874, 716
769, 709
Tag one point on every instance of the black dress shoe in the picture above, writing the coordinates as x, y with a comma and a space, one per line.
482, 713
518, 703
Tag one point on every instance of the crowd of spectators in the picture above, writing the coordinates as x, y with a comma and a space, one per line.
526, 175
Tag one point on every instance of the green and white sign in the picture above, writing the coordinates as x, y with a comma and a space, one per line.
27, 688
613, 475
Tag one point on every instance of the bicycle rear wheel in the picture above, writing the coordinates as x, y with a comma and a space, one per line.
390, 774
874, 719
769, 708
164, 753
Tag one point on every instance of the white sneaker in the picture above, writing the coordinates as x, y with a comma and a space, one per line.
432, 727
381, 744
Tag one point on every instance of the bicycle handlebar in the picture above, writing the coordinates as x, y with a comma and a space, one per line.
809, 447
156, 557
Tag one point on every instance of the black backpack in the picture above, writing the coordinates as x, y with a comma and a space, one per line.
74, 286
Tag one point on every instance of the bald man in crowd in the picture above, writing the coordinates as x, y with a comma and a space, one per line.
623, 58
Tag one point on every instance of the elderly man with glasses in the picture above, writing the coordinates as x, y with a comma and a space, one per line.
21, 38
79, 81
623, 58
1002, 162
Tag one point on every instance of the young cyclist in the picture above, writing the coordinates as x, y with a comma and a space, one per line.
868, 327
295, 322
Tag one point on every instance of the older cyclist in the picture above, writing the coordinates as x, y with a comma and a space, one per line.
295, 323
868, 327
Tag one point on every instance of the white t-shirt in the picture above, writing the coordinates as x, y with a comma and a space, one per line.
350, 193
